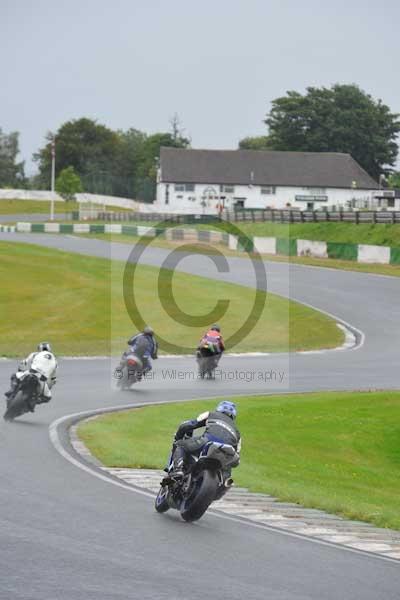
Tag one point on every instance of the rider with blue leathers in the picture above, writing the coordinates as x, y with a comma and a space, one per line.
145, 346
219, 427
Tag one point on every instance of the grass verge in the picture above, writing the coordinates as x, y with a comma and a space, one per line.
330, 263
77, 303
334, 451
14, 207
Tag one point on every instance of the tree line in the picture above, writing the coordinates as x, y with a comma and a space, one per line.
342, 118
93, 158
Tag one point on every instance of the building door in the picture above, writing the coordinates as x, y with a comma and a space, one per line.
239, 203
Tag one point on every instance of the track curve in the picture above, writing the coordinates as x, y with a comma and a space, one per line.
67, 535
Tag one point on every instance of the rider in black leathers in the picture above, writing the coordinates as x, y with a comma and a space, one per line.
144, 345
219, 427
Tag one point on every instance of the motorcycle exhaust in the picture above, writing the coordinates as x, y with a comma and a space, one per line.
228, 483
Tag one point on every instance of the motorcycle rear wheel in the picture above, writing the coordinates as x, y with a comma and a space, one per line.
194, 507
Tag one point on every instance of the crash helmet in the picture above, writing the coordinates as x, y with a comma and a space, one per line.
148, 330
228, 408
44, 347
215, 327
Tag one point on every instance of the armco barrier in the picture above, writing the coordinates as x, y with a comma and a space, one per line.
363, 253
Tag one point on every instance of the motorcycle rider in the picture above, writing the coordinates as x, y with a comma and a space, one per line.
219, 427
214, 341
44, 363
144, 345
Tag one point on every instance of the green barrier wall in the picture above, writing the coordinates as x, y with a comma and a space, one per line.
395, 256
286, 246
342, 251
37, 227
66, 228
129, 230
96, 228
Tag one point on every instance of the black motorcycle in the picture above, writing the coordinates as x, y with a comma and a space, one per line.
130, 370
206, 479
207, 361
25, 398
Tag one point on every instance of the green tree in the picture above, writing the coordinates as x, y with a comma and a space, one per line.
11, 171
148, 162
342, 118
394, 180
68, 183
83, 144
116, 163
261, 142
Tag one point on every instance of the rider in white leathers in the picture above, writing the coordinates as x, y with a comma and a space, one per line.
44, 363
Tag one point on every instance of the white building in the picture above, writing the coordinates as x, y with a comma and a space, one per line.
197, 181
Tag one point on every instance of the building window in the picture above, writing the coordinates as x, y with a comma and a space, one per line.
270, 189
227, 189
184, 187
316, 191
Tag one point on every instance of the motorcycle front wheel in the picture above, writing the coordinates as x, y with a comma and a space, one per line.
161, 503
16, 407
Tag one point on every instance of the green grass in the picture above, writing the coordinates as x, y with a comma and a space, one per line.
76, 302
14, 207
338, 452
364, 233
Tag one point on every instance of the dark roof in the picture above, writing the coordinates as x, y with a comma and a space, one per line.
244, 167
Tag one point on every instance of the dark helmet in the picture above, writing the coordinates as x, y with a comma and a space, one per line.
216, 328
44, 347
228, 408
148, 330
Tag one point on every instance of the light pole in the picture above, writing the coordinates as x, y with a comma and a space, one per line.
53, 177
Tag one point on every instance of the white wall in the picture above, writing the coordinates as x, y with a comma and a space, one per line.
39, 195
252, 197
46, 196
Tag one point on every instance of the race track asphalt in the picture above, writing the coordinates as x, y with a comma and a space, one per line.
68, 535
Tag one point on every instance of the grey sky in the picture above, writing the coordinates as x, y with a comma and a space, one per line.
217, 64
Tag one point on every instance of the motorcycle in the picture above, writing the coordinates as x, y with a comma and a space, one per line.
130, 370
26, 397
207, 360
206, 480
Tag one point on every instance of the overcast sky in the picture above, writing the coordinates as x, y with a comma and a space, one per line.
217, 63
